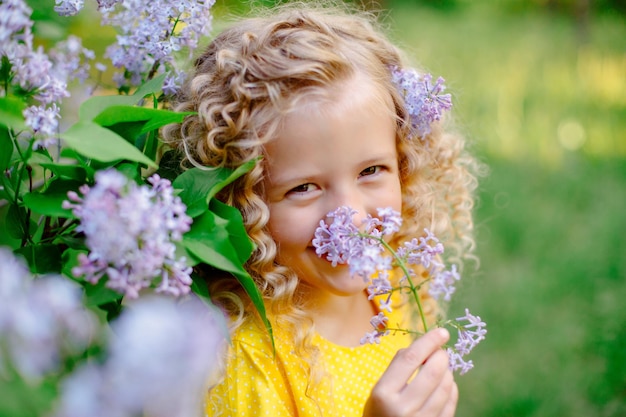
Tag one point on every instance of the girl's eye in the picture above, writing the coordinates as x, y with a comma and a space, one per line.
375, 169
301, 189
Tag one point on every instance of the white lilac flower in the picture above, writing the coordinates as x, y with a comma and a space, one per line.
130, 230
161, 355
68, 7
42, 320
423, 100
150, 32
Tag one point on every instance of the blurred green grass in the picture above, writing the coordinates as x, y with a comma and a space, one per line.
543, 102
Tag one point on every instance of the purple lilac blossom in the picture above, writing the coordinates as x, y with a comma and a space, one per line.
130, 230
423, 100
42, 320
343, 243
45, 76
150, 32
68, 7
442, 283
469, 335
159, 362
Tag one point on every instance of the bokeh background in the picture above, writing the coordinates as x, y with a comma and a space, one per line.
540, 91
539, 88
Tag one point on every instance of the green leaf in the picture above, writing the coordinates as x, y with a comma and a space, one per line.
199, 186
11, 116
6, 149
209, 241
96, 105
169, 165
42, 259
15, 222
49, 202
96, 142
238, 236
153, 118
73, 172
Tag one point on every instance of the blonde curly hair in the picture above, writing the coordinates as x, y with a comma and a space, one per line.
255, 73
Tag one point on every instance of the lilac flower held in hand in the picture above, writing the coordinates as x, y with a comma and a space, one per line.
342, 242
470, 335
130, 231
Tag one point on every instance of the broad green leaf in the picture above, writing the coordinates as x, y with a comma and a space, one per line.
42, 259
96, 105
49, 202
238, 236
99, 143
74, 172
153, 118
38, 157
11, 116
99, 294
6, 149
209, 241
169, 165
16, 222
199, 186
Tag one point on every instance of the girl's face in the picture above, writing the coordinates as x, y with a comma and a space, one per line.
340, 152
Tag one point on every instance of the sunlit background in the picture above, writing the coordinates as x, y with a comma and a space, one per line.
539, 88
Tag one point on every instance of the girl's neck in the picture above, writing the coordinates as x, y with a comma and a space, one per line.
342, 320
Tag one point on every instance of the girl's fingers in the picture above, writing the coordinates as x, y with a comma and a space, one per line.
450, 408
407, 361
432, 385
441, 398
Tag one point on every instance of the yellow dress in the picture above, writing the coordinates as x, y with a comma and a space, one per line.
258, 383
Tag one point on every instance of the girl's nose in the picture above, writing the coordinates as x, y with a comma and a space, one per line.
355, 201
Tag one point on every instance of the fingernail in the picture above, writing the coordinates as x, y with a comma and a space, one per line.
444, 333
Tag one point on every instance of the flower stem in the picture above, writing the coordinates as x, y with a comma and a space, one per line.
413, 288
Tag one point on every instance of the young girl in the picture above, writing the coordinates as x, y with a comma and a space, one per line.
310, 91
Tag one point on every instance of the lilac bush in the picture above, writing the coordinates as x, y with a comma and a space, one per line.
101, 312
368, 255
130, 231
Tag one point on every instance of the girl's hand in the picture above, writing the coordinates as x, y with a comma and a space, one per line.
432, 392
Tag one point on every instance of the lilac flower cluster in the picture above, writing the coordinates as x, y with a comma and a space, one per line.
158, 364
364, 250
45, 76
470, 335
424, 100
150, 32
130, 230
41, 320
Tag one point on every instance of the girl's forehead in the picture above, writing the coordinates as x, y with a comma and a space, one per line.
342, 94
